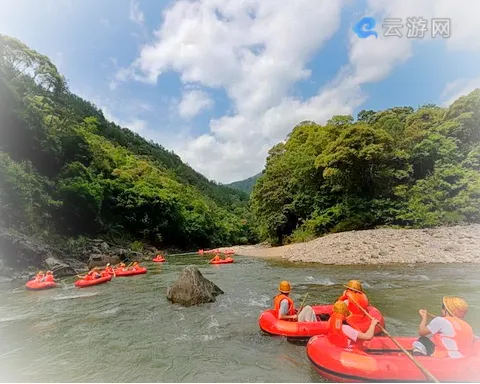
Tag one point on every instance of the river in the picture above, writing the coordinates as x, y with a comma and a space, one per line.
127, 331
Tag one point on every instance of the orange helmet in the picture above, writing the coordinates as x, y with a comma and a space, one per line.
135, 263
122, 264
354, 285
284, 287
40, 273
455, 306
342, 308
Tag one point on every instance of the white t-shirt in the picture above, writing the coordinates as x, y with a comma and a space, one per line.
350, 332
283, 308
443, 327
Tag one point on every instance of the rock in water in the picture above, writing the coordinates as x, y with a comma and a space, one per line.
191, 288
59, 268
102, 260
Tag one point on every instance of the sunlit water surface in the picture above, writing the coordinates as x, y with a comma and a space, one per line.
127, 331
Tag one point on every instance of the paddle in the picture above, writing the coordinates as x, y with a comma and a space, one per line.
303, 303
128, 266
421, 367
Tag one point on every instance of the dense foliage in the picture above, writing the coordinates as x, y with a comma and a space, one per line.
65, 169
245, 185
398, 167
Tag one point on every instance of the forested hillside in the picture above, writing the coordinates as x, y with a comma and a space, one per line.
398, 167
245, 185
65, 169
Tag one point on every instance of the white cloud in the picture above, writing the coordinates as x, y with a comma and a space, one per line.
134, 124
256, 51
193, 102
136, 15
457, 88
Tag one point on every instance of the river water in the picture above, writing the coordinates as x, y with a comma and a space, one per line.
127, 331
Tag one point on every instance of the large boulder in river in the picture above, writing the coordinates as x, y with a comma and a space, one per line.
59, 268
100, 260
191, 288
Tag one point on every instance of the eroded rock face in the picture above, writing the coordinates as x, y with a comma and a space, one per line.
21, 256
100, 260
19, 251
191, 288
59, 268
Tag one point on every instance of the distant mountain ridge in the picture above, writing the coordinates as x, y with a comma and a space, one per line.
245, 185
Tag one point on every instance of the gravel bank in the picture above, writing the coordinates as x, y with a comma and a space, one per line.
459, 244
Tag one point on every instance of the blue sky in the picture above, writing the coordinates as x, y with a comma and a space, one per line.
220, 82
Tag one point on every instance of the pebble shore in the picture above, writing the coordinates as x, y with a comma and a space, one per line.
458, 244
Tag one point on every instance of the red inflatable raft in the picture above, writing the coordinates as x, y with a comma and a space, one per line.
383, 361
225, 261
130, 272
159, 259
37, 285
270, 323
82, 283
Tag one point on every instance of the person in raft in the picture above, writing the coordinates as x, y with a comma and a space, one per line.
344, 335
109, 269
451, 336
49, 277
93, 274
40, 277
354, 294
122, 267
136, 266
284, 306
216, 258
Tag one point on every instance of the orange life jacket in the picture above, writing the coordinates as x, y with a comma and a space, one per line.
109, 270
336, 334
92, 275
359, 297
49, 278
278, 299
463, 338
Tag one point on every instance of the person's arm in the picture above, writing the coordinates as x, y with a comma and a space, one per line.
370, 332
283, 312
422, 328
343, 297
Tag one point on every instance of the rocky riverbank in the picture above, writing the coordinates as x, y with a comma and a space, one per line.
458, 244
21, 256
